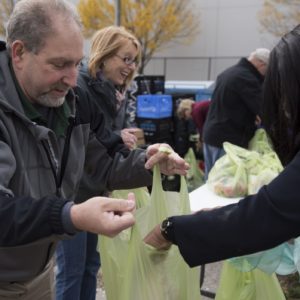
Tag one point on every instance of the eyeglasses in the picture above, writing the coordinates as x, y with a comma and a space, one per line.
128, 61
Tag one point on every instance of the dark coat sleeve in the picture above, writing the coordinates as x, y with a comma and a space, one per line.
89, 113
256, 223
24, 219
120, 167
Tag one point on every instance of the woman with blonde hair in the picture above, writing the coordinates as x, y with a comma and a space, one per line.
113, 62
184, 109
114, 59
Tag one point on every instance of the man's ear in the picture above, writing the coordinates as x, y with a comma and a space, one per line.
17, 51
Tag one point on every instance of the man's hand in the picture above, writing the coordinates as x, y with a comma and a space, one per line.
170, 162
128, 137
155, 239
101, 215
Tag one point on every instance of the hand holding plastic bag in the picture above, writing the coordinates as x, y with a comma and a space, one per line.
133, 270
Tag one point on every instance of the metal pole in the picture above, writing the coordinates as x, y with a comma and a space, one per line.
118, 13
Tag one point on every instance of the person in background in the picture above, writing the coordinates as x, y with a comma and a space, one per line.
188, 109
235, 106
114, 57
270, 217
47, 135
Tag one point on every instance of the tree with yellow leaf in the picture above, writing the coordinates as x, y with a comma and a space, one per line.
6, 7
279, 16
155, 23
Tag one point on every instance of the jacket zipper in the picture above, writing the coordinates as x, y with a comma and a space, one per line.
54, 162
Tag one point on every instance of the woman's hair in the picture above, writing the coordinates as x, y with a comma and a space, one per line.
184, 105
281, 100
106, 43
32, 21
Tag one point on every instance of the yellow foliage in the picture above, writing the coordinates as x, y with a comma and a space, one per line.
95, 15
155, 23
6, 7
279, 16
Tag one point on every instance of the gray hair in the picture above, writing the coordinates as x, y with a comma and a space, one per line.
32, 21
261, 54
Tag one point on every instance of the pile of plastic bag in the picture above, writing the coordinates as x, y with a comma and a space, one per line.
242, 172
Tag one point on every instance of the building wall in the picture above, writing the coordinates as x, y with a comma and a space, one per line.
229, 30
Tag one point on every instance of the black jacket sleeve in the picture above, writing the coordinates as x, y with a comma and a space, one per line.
89, 113
24, 219
256, 223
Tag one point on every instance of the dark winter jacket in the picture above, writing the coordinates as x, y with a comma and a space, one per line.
103, 92
235, 102
36, 165
257, 223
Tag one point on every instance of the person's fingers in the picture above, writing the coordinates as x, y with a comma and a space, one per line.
157, 153
119, 205
152, 150
179, 171
154, 159
121, 222
131, 197
134, 138
174, 163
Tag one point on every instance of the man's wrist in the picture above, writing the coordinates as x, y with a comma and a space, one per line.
167, 230
67, 223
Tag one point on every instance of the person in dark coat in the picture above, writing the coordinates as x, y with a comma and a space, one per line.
235, 106
270, 217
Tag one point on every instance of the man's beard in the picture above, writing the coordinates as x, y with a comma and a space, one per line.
49, 100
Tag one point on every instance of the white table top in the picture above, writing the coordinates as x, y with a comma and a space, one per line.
202, 197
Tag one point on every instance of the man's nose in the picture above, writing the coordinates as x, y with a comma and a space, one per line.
70, 76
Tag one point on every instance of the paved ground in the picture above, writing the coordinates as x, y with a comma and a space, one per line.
211, 279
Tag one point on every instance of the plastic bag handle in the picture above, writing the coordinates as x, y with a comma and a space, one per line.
185, 205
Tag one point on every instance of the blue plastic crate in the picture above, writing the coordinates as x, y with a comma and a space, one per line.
204, 94
154, 106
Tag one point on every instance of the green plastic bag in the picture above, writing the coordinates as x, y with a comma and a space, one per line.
133, 270
142, 195
253, 285
228, 177
267, 167
194, 177
241, 172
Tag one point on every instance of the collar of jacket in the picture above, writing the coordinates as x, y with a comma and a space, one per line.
103, 89
246, 63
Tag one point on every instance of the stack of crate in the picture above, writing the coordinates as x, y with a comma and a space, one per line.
154, 116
